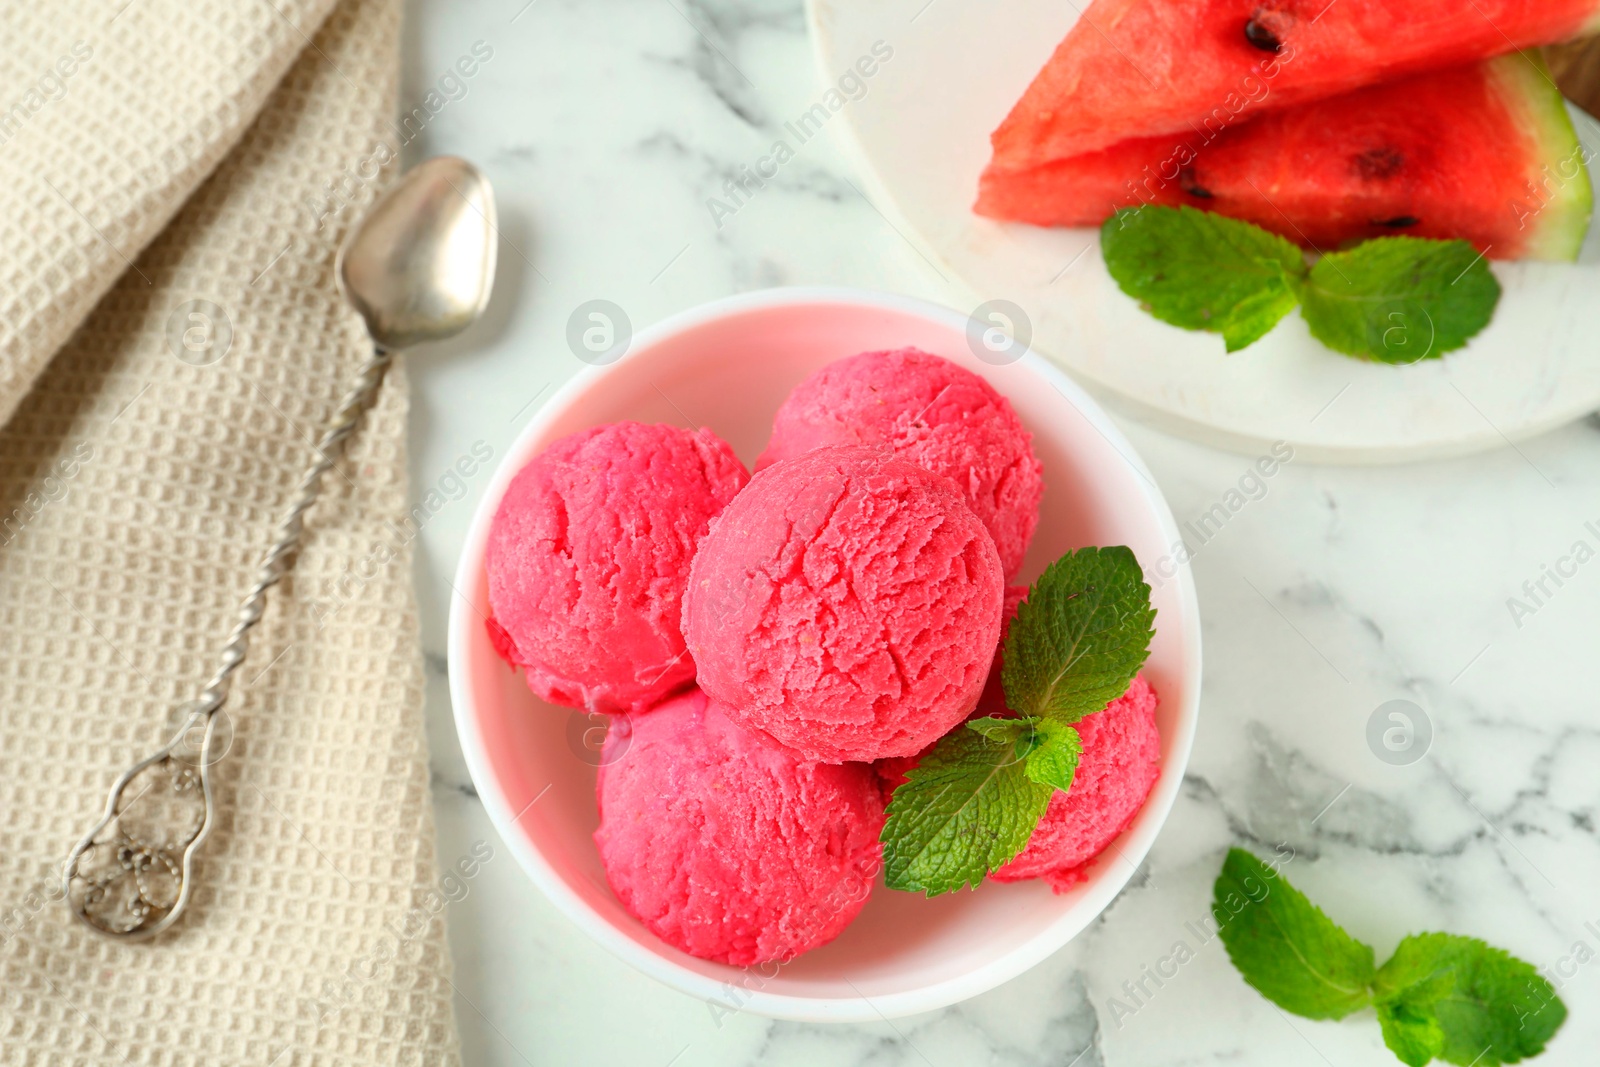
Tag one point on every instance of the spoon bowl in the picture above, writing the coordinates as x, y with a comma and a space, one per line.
420, 264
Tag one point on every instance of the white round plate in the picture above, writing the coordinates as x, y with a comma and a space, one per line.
920, 132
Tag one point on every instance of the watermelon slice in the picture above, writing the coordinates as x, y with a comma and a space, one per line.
1484, 152
1140, 68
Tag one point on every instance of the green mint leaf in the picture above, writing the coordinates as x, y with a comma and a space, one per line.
964, 810
1415, 1037
1440, 996
1202, 271
1050, 750
997, 729
1053, 759
1406, 1010
1399, 299
1080, 636
1482, 1005
972, 803
1284, 946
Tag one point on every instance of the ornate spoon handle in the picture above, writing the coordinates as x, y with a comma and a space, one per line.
276, 563
130, 876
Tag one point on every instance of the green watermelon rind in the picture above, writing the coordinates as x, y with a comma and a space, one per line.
1560, 226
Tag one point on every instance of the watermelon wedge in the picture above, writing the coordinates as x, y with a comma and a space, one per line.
1141, 68
1484, 152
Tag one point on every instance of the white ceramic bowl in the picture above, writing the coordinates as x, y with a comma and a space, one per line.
728, 365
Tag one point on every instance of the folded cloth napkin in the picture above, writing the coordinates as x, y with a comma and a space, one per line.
175, 176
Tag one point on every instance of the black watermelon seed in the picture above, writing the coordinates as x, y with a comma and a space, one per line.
1400, 222
1187, 183
1261, 37
1378, 163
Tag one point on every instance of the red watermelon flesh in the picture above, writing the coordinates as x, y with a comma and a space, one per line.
1140, 68
1484, 152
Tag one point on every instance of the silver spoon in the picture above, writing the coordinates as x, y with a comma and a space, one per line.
418, 267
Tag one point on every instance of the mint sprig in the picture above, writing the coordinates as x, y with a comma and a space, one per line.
971, 804
1053, 753
1080, 636
1399, 299
966, 808
1284, 945
1202, 271
1472, 997
1391, 299
1440, 996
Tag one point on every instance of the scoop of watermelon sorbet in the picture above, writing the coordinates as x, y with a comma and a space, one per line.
1120, 763
727, 845
992, 701
588, 556
934, 414
847, 602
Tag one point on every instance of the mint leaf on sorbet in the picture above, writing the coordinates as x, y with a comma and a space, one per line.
1080, 636
1049, 750
1053, 758
1400, 299
996, 728
966, 809
972, 803
1284, 946
1202, 271
1477, 1004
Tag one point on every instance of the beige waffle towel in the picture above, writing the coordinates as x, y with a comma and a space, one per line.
154, 153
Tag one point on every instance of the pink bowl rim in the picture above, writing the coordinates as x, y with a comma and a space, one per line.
1104, 884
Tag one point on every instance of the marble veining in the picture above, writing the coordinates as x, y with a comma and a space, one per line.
607, 126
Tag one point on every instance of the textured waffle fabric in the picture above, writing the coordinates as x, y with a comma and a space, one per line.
154, 154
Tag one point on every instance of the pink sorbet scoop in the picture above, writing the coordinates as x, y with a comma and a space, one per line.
1121, 761
730, 846
934, 414
848, 603
588, 555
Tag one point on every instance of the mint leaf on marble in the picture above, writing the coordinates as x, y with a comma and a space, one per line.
1414, 1036
1080, 636
1440, 996
1202, 271
1284, 946
966, 809
1465, 1002
1399, 299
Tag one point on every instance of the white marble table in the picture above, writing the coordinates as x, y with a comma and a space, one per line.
605, 126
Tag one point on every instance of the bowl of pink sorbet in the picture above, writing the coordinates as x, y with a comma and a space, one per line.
728, 366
